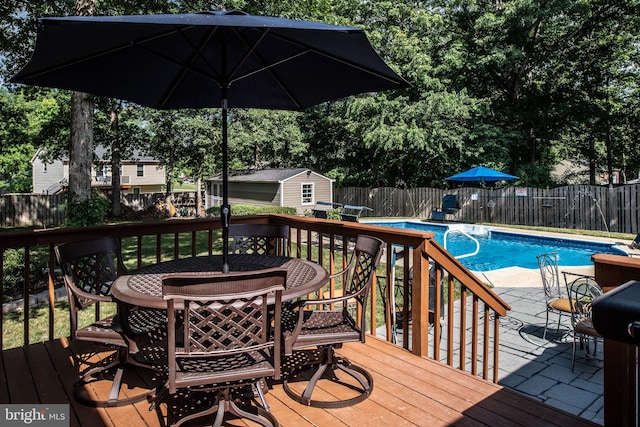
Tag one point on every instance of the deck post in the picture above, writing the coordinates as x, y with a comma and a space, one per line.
420, 301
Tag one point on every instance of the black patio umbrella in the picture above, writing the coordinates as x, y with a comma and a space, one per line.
209, 59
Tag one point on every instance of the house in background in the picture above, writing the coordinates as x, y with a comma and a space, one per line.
298, 188
143, 174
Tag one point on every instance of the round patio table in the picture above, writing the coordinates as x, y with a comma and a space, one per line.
143, 287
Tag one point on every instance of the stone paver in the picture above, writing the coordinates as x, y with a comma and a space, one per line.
541, 368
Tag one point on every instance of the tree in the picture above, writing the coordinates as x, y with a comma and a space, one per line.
81, 151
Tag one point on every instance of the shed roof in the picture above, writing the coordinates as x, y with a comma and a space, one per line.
262, 175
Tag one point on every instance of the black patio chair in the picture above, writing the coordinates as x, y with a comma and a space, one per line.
220, 342
89, 268
324, 330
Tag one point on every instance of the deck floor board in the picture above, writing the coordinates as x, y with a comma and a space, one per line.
408, 390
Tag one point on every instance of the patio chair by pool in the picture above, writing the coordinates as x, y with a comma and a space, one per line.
220, 342
556, 301
321, 209
450, 206
311, 336
89, 268
265, 239
582, 291
352, 213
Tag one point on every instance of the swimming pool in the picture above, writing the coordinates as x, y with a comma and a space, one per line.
501, 249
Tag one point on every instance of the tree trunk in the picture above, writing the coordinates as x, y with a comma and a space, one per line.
81, 150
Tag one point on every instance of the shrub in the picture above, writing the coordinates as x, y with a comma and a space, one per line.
13, 272
238, 210
86, 213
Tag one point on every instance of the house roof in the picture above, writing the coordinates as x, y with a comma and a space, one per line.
263, 175
101, 153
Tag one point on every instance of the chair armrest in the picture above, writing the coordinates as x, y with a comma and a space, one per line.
78, 293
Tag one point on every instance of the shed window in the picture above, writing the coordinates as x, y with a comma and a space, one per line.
307, 194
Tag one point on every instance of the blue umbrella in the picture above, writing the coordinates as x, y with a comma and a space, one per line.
481, 174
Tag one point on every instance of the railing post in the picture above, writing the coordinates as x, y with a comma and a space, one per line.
420, 301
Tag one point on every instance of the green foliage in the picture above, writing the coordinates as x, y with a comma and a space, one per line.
86, 213
239, 210
13, 272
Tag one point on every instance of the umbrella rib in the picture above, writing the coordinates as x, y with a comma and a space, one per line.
188, 67
344, 61
127, 45
267, 68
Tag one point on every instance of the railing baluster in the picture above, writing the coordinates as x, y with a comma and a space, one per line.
51, 289
25, 292
463, 326
474, 337
485, 350
450, 308
496, 347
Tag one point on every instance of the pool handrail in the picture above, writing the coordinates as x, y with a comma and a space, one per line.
464, 233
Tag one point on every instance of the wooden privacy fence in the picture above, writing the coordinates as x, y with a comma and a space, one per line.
45, 210
582, 207
31, 210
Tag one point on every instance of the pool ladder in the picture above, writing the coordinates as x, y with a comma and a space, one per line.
464, 233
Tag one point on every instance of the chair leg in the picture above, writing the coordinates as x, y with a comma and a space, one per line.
120, 361
329, 363
546, 325
224, 403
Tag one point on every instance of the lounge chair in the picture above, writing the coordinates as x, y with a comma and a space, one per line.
352, 213
321, 209
636, 242
450, 206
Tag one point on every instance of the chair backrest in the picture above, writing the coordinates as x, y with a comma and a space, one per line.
263, 239
226, 326
450, 203
89, 268
548, 264
582, 291
361, 271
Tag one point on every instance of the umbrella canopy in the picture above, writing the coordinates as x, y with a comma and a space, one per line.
209, 59
481, 174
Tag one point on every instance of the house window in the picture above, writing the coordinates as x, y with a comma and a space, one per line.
44, 167
307, 194
139, 169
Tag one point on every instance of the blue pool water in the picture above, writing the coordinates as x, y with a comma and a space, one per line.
500, 249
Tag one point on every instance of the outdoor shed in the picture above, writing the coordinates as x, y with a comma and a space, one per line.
298, 188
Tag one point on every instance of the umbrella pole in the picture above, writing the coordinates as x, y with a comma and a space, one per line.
225, 210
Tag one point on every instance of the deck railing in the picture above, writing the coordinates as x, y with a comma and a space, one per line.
461, 331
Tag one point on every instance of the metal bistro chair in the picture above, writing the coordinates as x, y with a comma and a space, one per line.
266, 239
556, 301
329, 329
223, 342
582, 291
89, 268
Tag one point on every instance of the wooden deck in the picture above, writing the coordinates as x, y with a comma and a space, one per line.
408, 390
